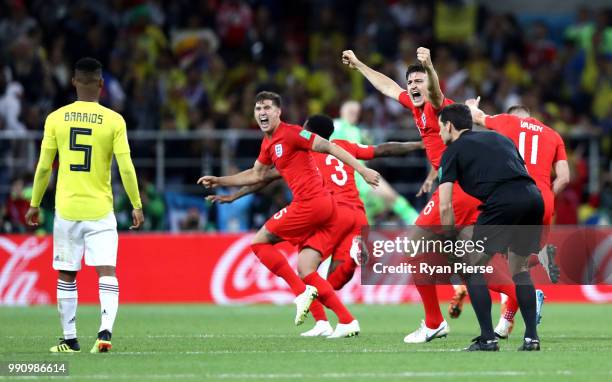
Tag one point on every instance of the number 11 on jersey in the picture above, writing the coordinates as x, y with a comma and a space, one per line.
534, 147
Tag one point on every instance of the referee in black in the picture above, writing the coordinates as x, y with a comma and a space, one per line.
488, 166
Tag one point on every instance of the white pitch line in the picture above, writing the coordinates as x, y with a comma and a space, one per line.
370, 375
108, 376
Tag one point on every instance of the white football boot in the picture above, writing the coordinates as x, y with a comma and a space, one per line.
302, 303
424, 334
321, 329
346, 330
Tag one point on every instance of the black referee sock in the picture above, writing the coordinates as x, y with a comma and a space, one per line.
481, 302
526, 298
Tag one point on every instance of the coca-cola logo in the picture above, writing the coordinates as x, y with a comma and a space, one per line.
17, 284
240, 278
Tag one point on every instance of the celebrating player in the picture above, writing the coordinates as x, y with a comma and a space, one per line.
543, 150
86, 135
310, 221
340, 180
424, 98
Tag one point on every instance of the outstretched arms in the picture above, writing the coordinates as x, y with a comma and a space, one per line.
382, 83
270, 176
248, 177
394, 149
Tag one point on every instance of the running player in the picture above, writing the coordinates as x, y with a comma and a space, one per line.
543, 150
86, 135
340, 180
310, 221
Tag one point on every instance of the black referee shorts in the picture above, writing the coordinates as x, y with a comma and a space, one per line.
511, 219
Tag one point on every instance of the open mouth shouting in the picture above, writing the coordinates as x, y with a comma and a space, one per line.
264, 122
417, 97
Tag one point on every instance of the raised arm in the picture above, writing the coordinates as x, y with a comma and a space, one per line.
562, 178
478, 116
394, 149
435, 92
382, 83
248, 177
270, 176
324, 146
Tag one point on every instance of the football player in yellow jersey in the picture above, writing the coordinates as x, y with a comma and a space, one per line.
86, 135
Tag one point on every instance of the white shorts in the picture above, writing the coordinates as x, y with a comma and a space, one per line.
96, 239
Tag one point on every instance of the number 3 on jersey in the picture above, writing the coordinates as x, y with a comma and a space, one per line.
534, 147
86, 149
341, 177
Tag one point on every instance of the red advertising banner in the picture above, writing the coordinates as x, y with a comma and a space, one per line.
198, 268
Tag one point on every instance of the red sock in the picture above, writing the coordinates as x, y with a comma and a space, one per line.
504, 284
277, 264
429, 295
328, 297
317, 310
342, 274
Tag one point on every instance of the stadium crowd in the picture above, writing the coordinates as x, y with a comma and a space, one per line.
196, 65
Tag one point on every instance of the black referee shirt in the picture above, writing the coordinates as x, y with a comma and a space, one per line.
480, 162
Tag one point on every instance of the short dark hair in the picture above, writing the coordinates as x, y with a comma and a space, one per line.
415, 68
265, 95
88, 65
515, 108
459, 115
88, 71
320, 124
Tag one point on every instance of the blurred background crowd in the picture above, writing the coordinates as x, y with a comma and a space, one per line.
195, 65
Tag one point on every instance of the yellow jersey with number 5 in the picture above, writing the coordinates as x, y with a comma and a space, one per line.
86, 135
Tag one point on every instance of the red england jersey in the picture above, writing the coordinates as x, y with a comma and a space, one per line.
426, 120
539, 145
289, 150
339, 178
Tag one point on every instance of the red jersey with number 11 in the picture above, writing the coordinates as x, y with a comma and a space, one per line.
539, 145
339, 177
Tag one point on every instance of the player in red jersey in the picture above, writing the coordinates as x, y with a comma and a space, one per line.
425, 99
543, 150
309, 220
340, 181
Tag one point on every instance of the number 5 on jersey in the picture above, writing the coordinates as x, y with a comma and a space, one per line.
86, 149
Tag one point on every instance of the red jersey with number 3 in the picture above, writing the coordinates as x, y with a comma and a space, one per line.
339, 177
289, 149
426, 120
539, 145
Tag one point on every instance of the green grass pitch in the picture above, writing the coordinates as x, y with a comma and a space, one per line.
260, 343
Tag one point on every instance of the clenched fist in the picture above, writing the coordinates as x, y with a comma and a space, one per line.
349, 58
424, 57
